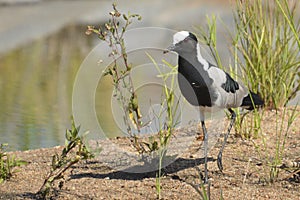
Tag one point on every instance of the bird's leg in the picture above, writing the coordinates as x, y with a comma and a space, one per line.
219, 160
205, 150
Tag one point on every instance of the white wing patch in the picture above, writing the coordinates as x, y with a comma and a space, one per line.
217, 75
225, 99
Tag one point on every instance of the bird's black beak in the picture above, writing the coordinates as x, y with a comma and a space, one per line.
170, 48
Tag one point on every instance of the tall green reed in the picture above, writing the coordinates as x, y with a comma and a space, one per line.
268, 48
169, 106
265, 49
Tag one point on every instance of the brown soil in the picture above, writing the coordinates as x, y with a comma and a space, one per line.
245, 175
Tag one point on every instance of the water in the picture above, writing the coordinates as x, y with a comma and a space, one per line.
36, 80
36, 83
36, 86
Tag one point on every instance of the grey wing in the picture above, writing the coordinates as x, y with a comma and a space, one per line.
230, 85
230, 92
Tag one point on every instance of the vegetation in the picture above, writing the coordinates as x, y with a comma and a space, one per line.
74, 151
266, 53
265, 45
7, 164
265, 49
268, 49
113, 34
273, 158
170, 107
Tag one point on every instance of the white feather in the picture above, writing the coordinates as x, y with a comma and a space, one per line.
226, 99
218, 76
201, 59
180, 36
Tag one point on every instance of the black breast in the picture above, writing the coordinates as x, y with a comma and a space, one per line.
195, 84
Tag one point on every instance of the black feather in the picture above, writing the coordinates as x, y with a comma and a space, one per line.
252, 100
230, 85
195, 84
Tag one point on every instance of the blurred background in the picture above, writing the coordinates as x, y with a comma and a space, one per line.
43, 43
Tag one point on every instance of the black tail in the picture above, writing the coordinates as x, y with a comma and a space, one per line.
252, 100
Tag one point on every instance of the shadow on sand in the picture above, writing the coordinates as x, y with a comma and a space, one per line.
178, 165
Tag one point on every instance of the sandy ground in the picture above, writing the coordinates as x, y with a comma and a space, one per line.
246, 167
245, 175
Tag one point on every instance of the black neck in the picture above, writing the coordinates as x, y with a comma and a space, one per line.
187, 62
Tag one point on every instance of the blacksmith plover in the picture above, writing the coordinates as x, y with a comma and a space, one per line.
207, 86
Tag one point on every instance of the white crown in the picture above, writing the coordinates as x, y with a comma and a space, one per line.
180, 36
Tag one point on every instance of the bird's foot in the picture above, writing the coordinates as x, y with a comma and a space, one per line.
204, 177
219, 161
205, 181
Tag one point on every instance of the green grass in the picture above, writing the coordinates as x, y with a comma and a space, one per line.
8, 164
273, 157
120, 72
265, 47
268, 49
265, 50
112, 33
74, 151
169, 106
